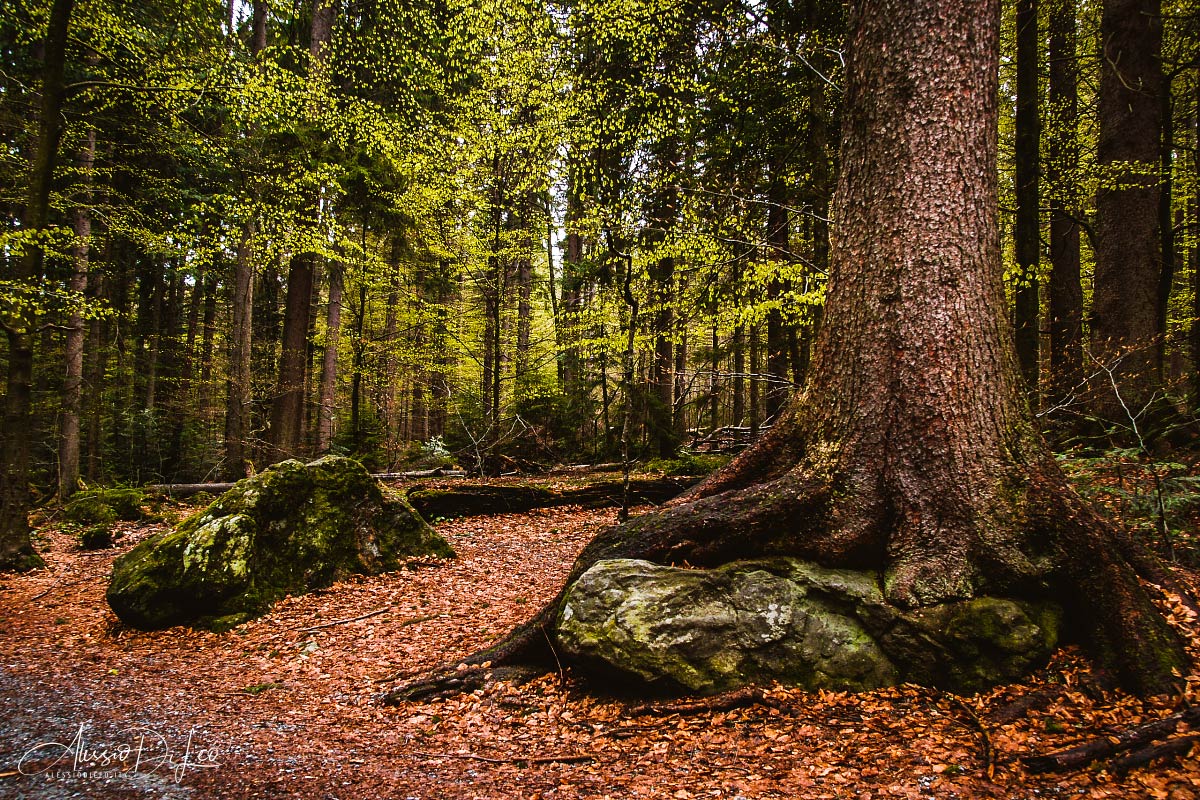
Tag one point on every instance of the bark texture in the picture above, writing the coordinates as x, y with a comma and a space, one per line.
1128, 242
16, 549
1065, 289
1028, 233
911, 451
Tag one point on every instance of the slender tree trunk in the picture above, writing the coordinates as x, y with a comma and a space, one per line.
238, 393
1062, 163
1195, 326
94, 378
778, 244
714, 385
661, 395
208, 332
1028, 222
329, 360
258, 34
1166, 224
16, 549
739, 375
69, 444
1129, 245
755, 373
391, 419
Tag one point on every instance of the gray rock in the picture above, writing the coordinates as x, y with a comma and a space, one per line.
712, 630
291, 529
781, 619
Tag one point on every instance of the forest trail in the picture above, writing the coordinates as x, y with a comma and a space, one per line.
284, 706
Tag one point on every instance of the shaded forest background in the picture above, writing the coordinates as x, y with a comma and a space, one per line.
505, 235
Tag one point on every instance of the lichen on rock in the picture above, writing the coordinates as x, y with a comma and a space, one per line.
785, 620
291, 529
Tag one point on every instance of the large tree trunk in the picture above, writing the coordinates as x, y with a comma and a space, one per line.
16, 549
911, 452
1128, 247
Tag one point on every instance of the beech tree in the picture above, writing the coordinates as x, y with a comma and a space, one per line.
911, 450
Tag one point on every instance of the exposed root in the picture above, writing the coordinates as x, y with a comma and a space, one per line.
739, 698
1060, 548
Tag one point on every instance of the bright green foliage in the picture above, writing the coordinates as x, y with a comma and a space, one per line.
500, 184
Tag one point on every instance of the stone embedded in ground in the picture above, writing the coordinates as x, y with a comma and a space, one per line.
785, 620
291, 529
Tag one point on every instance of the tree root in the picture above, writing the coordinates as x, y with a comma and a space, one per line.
1063, 549
1081, 755
738, 698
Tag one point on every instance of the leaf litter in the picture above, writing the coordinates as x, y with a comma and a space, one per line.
286, 705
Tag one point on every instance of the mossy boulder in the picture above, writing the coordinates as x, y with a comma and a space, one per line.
293, 528
785, 620
104, 506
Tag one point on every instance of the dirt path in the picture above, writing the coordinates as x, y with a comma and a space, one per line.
274, 710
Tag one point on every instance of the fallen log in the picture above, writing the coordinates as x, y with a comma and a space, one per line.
1081, 755
481, 499
190, 489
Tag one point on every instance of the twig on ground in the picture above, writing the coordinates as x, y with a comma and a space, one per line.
368, 615
564, 758
989, 753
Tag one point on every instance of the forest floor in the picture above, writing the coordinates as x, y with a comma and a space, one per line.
282, 707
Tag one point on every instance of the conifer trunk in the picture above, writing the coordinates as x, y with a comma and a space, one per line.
16, 549
911, 451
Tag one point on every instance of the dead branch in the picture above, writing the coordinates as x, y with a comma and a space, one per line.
1168, 749
1084, 754
368, 615
564, 758
989, 752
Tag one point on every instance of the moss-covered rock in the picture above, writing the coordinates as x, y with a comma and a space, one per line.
712, 630
104, 506
96, 537
293, 528
798, 623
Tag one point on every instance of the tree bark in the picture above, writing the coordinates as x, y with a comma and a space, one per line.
287, 407
1128, 246
238, 394
329, 360
911, 451
69, 442
16, 548
1062, 163
1028, 222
